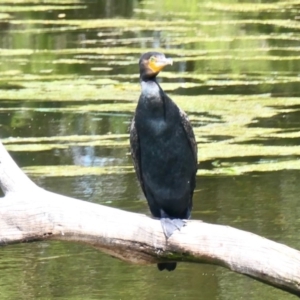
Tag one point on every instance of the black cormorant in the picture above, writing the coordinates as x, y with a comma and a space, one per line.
164, 150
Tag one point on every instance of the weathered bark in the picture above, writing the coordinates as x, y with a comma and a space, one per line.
28, 213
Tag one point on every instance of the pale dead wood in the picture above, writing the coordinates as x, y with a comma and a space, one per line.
28, 213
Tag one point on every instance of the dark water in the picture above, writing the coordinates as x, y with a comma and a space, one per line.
38, 88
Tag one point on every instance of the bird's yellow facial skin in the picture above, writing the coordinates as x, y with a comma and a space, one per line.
156, 65
153, 66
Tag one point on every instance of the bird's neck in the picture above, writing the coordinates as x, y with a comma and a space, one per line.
151, 88
153, 99
152, 94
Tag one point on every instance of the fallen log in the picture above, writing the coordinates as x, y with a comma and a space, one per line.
29, 213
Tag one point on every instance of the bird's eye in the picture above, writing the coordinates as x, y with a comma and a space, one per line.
152, 58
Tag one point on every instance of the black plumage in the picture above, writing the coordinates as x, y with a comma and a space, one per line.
164, 150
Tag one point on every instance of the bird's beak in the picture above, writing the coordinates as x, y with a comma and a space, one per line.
157, 65
165, 61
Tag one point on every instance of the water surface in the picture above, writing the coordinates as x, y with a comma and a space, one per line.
68, 89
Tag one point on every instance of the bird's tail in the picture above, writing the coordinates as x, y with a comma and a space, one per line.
166, 266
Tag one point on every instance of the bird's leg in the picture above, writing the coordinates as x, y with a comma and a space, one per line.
170, 225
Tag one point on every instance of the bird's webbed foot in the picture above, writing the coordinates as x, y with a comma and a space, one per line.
170, 225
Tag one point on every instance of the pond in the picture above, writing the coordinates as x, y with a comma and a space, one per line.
69, 85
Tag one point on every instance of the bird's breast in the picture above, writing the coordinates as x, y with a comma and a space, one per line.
157, 127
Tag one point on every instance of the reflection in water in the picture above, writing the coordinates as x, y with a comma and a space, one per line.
57, 276
286, 121
68, 86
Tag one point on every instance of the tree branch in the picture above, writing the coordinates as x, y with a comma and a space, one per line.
28, 213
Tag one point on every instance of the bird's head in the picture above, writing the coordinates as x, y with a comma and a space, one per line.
151, 63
